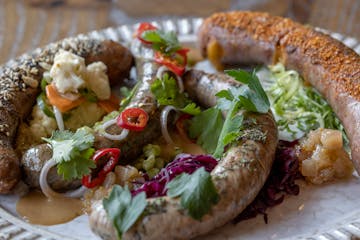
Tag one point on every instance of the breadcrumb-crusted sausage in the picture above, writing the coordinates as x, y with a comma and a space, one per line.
331, 67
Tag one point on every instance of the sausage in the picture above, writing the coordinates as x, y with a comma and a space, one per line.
131, 146
331, 67
238, 177
33, 161
19, 87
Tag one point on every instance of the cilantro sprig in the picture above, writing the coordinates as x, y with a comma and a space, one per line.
249, 97
196, 191
72, 152
123, 209
166, 92
165, 42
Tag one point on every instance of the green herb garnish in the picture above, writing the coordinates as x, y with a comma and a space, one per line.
206, 127
72, 152
249, 97
165, 42
196, 191
123, 209
167, 92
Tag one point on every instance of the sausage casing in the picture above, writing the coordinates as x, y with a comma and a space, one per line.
331, 67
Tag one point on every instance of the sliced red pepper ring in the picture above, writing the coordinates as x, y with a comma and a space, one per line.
133, 119
113, 155
143, 27
176, 62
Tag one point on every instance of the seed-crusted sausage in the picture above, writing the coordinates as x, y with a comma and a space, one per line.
19, 86
238, 177
330, 66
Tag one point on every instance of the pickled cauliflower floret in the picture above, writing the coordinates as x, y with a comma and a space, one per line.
68, 72
97, 80
323, 158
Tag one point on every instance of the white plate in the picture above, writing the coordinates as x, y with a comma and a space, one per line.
319, 212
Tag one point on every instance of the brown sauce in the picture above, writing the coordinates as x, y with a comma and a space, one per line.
36, 208
188, 147
167, 150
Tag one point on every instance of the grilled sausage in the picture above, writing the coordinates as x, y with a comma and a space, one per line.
33, 161
238, 177
19, 86
131, 146
331, 67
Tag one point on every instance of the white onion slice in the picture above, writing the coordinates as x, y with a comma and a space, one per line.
59, 119
163, 69
118, 137
163, 121
49, 192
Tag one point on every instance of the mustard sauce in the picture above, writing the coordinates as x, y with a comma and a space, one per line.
36, 208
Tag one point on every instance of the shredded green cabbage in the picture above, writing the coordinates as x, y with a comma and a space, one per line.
297, 108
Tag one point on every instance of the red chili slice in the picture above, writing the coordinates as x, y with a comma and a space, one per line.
176, 62
133, 119
145, 26
113, 155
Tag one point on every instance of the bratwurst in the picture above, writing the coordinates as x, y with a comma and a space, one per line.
332, 68
238, 177
146, 69
19, 87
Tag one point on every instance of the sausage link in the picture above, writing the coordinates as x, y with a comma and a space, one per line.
330, 66
131, 146
20, 85
238, 178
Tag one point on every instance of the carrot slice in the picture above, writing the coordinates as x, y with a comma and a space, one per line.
111, 104
63, 104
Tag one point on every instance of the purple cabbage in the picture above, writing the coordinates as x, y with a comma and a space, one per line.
281, 181
183, 163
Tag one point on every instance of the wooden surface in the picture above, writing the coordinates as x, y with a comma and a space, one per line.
27, 24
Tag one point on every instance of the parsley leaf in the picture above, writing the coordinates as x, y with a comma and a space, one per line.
72, 152
123, 209
230, 130
197, 192
165, 42
252, 95
206, 127
167, 93
249, 97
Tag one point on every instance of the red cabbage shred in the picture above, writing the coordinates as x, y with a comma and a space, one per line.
280, 182
183, 163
